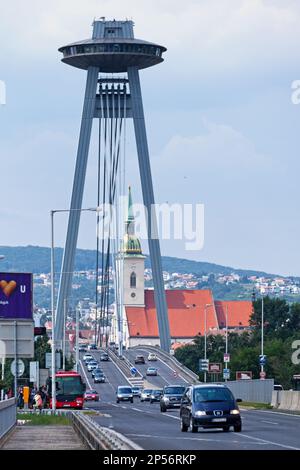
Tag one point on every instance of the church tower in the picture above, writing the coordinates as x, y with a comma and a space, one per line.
133, 263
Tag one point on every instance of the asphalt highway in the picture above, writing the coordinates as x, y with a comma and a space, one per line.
152, 430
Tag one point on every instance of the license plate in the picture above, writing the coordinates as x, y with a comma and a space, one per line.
219, 420
65, 406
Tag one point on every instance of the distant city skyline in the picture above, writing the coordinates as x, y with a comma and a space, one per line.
223, 130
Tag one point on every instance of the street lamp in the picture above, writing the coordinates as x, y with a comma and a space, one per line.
52, 213
262, 331
205, 335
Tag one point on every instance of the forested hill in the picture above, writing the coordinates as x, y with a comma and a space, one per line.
36, 259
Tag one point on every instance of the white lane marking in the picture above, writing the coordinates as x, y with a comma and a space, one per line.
265, 441
170, 416
159, 359
86, 377
177, 438
275, 412
268, 422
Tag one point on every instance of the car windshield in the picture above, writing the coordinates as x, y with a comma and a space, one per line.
147, 391
91, 391
212, 394
174, 390
135, 388
157, 392
125, 390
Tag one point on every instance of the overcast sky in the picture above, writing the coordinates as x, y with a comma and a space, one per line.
221, 124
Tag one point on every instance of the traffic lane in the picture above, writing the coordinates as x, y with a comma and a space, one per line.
113, 376
284, 430
156, 380
165, 375
168, 374
153, 430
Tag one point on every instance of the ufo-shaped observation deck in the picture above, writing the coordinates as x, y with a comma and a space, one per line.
112, 55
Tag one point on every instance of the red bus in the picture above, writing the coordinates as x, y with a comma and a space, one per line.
70, 390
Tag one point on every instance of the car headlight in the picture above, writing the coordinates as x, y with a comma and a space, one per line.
234, 412
166, 400
200, 413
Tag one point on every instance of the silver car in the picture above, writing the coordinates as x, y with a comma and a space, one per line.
124, 393
146, 394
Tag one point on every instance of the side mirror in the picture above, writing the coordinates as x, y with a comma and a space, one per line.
239, 400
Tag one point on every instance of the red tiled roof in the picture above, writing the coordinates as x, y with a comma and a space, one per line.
239, 312
186, 314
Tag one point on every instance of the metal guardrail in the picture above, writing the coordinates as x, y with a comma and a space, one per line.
172, 361
8, 416
96, 437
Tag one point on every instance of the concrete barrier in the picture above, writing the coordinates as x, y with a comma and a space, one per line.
275, 399
289, 401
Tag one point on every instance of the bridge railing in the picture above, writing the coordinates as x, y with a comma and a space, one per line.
96, 437
8, 416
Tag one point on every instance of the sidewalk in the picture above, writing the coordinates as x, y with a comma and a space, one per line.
43, 438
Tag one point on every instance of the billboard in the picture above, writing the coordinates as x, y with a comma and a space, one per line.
15, 296
243, 375
214, 368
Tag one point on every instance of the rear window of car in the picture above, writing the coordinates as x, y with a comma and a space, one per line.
212, 394
174, 390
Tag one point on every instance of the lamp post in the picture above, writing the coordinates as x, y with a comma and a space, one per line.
53, 368
262, 333
262, 329
205, 336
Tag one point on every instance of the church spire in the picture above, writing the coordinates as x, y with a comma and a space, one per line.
132, 245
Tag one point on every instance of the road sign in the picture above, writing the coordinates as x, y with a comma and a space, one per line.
262, 359
226, 374
215, 368
262, 375
243, 375
34, 372
226, 357
17, 368
48, 360
133, 371
203, 365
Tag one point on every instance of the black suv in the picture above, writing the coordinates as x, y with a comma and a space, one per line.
209, 406
171, 397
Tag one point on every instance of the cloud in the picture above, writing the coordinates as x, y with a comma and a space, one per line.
219, 147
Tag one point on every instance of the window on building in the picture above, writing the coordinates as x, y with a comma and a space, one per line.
132, 280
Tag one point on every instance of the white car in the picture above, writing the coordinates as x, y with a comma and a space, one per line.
151, 371
87, 356
92, 365
152, 357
